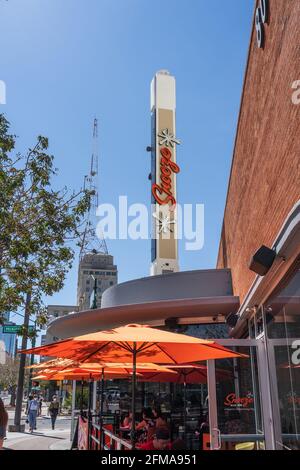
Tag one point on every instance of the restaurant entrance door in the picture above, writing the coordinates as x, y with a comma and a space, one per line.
240, 411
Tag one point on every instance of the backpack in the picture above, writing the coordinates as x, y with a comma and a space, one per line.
33, 405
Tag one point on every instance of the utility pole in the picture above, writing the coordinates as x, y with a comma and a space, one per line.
20, 387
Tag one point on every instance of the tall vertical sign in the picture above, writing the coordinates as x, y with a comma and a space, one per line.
164, 249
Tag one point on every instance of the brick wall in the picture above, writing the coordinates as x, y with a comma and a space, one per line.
265, 175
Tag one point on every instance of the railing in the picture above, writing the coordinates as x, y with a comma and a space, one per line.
98, 440
108, 418
116, 442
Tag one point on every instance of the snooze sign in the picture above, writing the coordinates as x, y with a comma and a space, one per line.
238, 402
163, 192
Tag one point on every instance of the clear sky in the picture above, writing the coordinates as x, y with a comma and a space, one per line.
66, 61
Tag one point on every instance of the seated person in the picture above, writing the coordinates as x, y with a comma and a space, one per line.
127, 421
146, 427
160, 421
160, 441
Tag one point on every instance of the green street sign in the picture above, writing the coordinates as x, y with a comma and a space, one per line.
15, 329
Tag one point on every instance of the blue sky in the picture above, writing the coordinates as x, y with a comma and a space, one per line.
65, 61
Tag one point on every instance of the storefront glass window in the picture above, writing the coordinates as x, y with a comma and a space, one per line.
202, 330
238, 396
282, 317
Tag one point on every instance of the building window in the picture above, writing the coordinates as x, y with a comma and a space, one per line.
282, 319
202, 330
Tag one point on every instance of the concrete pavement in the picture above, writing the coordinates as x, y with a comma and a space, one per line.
44, 438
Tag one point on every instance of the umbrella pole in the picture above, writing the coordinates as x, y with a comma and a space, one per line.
133, 434
81, 399
184, 409
90, 396
101, 409
89, 412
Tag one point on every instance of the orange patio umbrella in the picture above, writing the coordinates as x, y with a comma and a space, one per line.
91, 371
138, 342
79, 374
135, 343
53, 363
127, 367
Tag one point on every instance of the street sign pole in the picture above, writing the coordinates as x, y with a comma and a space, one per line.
19, 401
15, 329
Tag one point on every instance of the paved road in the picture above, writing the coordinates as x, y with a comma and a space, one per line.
44, 438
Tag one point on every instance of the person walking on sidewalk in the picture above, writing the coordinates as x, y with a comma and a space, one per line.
40, 405
53, 410
32, 411
3, 423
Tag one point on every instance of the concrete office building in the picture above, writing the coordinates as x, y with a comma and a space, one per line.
97, 272
8, 341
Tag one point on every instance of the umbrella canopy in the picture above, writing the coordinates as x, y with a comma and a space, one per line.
180, 374
127, 367
136, 344
96, 368
119, 344
53, 363
77, 373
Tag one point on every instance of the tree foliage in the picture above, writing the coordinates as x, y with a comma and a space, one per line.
9, 372
38, 225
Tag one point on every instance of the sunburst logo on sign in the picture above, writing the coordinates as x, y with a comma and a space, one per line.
164, 222
168, 138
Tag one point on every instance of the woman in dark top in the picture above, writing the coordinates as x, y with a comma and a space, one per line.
160, 421
53, 410
3, 422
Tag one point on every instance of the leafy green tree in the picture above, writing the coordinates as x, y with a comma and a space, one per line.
37, 226
9, 373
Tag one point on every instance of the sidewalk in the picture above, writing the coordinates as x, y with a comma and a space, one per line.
44, 438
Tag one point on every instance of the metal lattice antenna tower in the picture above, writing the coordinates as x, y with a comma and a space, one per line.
91, 243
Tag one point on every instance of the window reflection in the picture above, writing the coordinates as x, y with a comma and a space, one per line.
283, 331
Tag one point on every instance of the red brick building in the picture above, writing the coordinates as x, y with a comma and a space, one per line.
264, 182
263, 208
